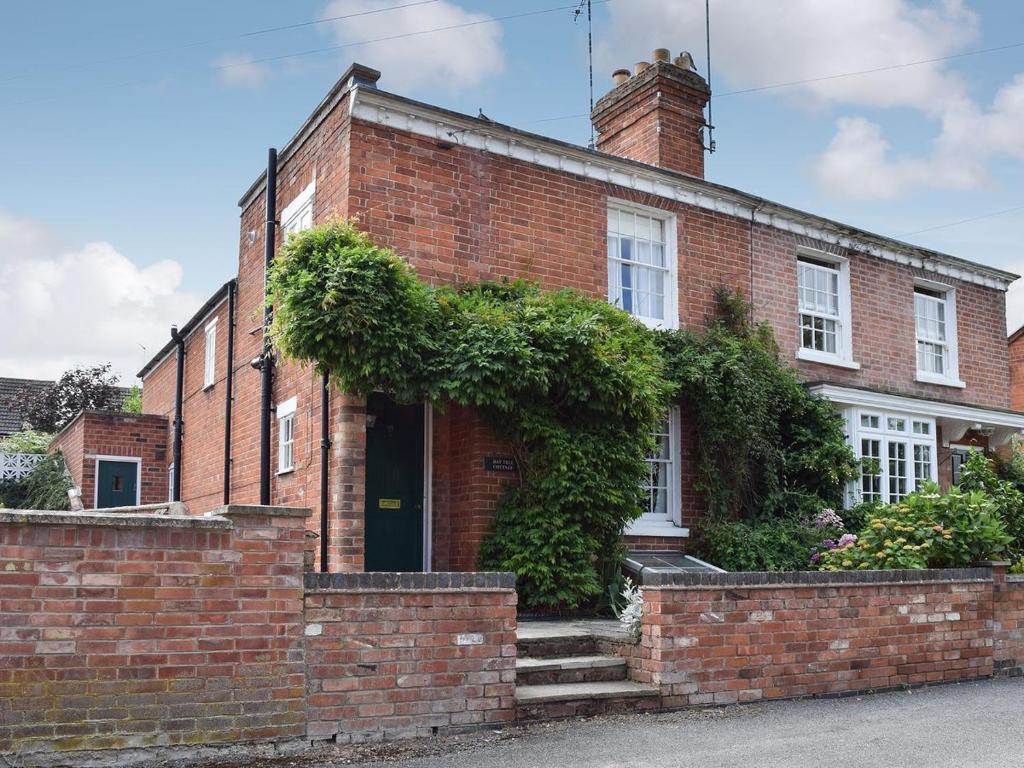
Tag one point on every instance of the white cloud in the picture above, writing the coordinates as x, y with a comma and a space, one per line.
239, 70
454, 59
81, 305
757, 43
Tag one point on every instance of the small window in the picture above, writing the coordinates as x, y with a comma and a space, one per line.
869, 421
286, 436
641, 266
298, 214
922, 428
170, 483
895, 424
210, 355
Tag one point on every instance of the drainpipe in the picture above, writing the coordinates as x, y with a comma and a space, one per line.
266, 359
228, 392
179, 342
325, 444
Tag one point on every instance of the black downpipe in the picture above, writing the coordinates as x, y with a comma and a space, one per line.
267, 360
179, 343
228, 392
325, 445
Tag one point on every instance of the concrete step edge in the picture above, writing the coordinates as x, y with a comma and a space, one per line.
563, 663
616, 689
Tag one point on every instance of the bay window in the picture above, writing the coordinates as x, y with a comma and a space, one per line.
896, 452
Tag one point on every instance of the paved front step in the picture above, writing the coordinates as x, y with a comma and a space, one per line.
541, 702
569, 669
549, 639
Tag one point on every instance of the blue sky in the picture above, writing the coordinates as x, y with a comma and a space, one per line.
131, 129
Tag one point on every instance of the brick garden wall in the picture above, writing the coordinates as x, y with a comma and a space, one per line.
392, 655
736, 637
125, 631
1008, 625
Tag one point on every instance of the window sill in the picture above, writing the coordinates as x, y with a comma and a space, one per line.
650, 528
813, 356
287, 471
942, 381
208, 387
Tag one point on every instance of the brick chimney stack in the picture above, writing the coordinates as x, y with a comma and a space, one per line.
655, 115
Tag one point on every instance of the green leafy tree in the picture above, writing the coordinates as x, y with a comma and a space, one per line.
77, 389
133, 402
45, 487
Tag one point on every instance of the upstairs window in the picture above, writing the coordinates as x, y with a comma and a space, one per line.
935, 324
286, 436
298, 214
642, 265
823, 308
210, 355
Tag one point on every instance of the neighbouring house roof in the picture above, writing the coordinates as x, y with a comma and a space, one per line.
11, 390
211, 303
1015, 335
11, 418
369, 103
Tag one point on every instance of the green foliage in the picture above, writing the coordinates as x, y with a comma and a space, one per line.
77, 389
767, 544
133, 403
926, 530
767, 447
576, 385
26, 441
45, 487
1004, 479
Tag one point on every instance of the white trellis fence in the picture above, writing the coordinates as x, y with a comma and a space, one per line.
14, 466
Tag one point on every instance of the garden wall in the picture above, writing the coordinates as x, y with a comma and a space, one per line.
734, 637
397, 655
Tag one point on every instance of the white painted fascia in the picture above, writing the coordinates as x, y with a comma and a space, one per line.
381, 108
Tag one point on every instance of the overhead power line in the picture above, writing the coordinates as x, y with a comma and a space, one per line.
837, 76
220, 39
341, 46
963, 221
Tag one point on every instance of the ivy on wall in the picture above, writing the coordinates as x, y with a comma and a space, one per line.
577, 387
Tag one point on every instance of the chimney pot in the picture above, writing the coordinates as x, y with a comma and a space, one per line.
640, 66
660, 54
619, 76
685, 61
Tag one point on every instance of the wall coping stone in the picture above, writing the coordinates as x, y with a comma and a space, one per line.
237, 510
102, 520
655, 580
386, 582
1016, 578
176, 508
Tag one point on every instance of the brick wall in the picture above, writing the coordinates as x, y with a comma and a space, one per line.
393, 655
723, 638
115, 434
1016, 354
1008, 626
150, 631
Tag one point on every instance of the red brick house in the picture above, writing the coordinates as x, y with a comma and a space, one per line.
908, 343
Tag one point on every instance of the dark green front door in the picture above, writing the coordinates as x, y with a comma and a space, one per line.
394, 485
117, 484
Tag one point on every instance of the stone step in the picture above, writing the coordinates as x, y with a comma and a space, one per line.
543, 702
569, 669
553, 639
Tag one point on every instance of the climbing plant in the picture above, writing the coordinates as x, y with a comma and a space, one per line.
576, 385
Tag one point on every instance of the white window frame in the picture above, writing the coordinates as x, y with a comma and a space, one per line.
286, 426
951, 377
170, 482
843, 356
210, 355
886, 434
294, 216
670, 244
669, 524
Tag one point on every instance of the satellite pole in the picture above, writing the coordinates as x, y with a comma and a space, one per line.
590, 55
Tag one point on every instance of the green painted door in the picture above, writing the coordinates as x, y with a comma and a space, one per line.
394, 485
117, 484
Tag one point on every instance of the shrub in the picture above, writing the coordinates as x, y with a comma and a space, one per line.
26, 441
45, 487
768, 544
1004, 480
926, 530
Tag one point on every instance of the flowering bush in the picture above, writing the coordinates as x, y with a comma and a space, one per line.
828, 518
925, 530
631, 614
